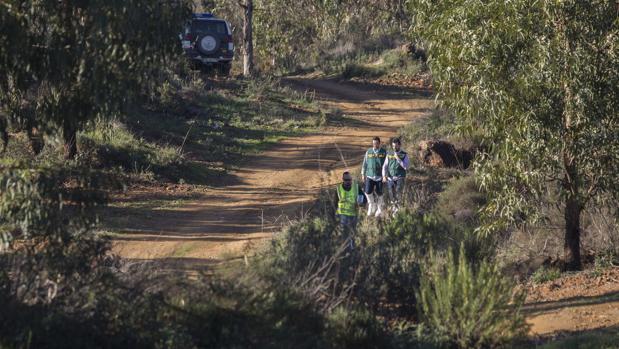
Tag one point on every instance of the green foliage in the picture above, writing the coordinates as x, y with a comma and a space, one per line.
382, 269
356, 329
392, 255
545, 274
194, 136
92, 60
239, 312
393, 62
436, 125
538, 80
460, 201
400, 62
603, 261
290, 37
45, 227
354, 70
304, 243
470, 305
112, 145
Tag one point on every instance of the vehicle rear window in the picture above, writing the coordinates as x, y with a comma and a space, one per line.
208, 27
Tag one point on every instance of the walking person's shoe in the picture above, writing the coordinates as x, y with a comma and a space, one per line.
379, 206
371, 204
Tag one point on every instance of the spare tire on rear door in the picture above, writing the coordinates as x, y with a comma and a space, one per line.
207, 44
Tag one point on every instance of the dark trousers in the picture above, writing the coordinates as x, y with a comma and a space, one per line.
372, 185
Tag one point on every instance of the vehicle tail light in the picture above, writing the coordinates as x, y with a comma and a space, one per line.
228, 40
188, 37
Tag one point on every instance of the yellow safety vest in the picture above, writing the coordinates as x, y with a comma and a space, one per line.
347, 200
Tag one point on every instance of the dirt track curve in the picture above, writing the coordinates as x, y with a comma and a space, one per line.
284, 181
281, 182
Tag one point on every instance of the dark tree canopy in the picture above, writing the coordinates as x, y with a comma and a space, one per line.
67, 62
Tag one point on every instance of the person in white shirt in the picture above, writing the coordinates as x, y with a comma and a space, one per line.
394, 173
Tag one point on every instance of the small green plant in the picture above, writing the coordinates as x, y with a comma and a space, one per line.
391, 258
461, 200
400, 62
440, 124
353, 70
603, 261
355, 328
469, 305
258, 89
545, 274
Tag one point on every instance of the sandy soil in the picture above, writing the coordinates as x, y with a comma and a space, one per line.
228, 220
277, 184
576, 302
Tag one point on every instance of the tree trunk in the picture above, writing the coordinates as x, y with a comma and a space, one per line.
4, 135
69, 134
573, 211
248, 44
574, 203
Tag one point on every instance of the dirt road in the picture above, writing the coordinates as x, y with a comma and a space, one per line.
281, 182
582, 302
284, 181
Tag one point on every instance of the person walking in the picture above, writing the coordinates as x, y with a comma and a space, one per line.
349, 197
394, 173
371, 172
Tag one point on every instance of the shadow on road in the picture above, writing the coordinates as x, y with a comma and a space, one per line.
542, 307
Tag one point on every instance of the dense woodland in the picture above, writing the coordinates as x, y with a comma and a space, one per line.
530, 88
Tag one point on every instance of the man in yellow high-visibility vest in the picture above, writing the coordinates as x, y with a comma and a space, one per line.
349, 196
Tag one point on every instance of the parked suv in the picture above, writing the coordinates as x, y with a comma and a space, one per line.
207, 41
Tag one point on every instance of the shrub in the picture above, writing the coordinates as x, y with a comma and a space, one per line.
389, 259
354, 70
355, 328
113, 145
545, 274
437, 125
605, 260
380, 272
303, 243
461, 201
401, 62
468, 305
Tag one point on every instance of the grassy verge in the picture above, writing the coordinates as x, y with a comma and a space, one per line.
186, 139
390, 63
193, 134
205, 129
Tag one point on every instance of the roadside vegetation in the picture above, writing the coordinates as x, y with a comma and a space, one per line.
396, 63
528, 111
195, 131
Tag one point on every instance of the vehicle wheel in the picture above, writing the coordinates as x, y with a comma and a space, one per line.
224, 69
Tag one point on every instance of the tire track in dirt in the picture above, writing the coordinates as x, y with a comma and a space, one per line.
278, 183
